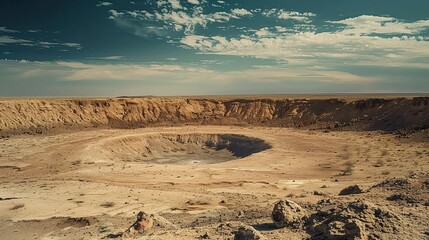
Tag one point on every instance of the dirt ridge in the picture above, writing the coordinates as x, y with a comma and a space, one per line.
39, 115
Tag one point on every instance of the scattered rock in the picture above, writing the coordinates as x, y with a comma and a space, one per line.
103, 229
247, 233
402, 197
354, 189
352, 229
287, 213
205, 236
143, 223
393, 182
355, 220
319, 193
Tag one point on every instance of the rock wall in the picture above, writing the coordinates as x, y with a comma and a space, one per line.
38, 115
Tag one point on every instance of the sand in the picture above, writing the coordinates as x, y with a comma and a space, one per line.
213, 167
88, 184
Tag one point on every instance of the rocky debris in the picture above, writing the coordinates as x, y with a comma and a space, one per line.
319, 193
287, 213
354, 189
78, 222
247, 233
103, 229
143, 223
325, 207
402, 197
393, 183
349, 221
426, 184
205, 236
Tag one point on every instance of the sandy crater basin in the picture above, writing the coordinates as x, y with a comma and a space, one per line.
183, 148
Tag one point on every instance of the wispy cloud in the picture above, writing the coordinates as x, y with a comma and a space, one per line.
290, 15
42, 44
196, 2
108, 58
367, 24
6, 30
11, 40
104, 4
240, 12
178, 74
177, 18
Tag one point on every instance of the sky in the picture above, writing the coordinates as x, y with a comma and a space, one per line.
219, 47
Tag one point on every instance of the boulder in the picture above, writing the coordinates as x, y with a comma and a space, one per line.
354, 189
287, 213
247, 233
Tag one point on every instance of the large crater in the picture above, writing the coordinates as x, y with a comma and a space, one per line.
194, 148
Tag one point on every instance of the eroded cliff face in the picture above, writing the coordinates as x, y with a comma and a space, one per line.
20, 116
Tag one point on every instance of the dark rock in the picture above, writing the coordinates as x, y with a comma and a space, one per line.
355, 189
205, 236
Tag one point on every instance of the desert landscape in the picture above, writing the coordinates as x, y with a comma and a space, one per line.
214, 119
275, 167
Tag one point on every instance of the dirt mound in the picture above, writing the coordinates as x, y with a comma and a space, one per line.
193, 148
355, 220
38, 116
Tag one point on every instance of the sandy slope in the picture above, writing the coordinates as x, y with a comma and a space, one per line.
88, 184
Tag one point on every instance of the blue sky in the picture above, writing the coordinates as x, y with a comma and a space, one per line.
201, 47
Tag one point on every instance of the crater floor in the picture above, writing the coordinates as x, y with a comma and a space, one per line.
74, 185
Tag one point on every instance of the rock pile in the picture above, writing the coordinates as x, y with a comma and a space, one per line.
349, 221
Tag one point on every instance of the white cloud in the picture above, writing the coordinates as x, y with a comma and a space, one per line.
176, 18
104, 4
4, 29
71, 45
11, 40
161, 3
196, 2
367, 24
111, 58
290, 15
115, 13
301, 17
240, 12
43, 44
263, 32
175, 4
329, 48
84, 71
177, 75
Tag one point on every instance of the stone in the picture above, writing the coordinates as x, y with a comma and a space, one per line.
354, 189
287, 213
247, 233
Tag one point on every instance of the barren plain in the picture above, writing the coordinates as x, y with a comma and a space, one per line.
204, 168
